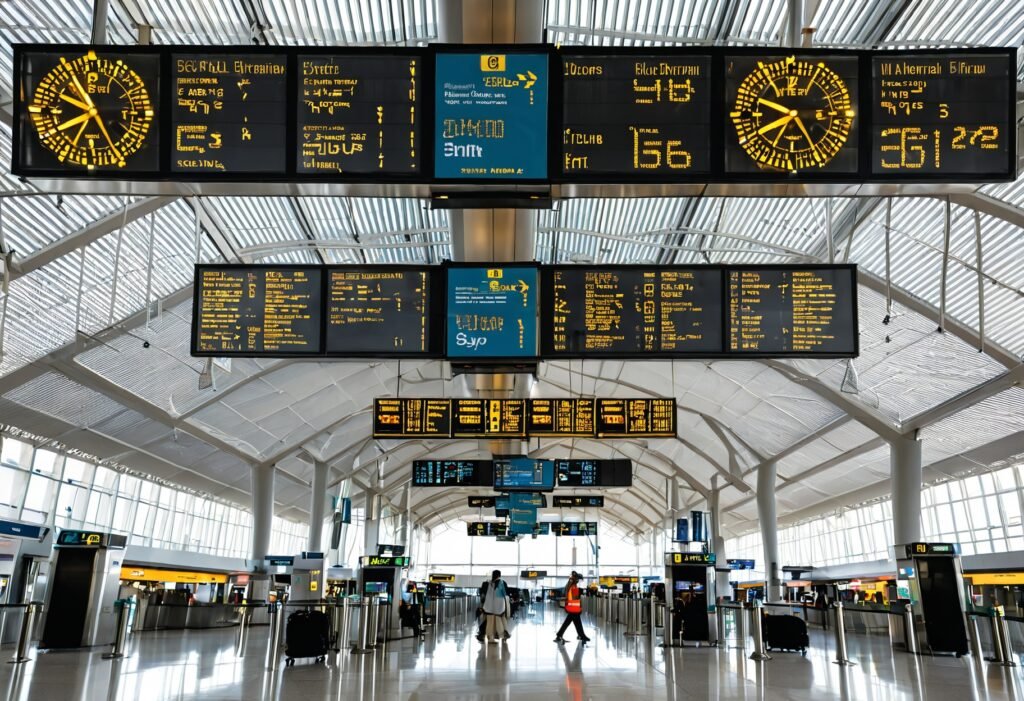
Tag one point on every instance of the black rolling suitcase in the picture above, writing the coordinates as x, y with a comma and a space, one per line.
786, 633
306, 634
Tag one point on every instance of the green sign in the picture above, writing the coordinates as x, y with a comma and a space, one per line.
384, 561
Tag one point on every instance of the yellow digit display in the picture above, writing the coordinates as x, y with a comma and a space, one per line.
92, 111
793, 114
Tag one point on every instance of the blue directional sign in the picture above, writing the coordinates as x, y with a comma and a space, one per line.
492, 312
491, 116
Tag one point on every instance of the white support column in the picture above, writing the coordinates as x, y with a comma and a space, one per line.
769, 530
905, 468
262, 513
371, 526
717, 541
317, 502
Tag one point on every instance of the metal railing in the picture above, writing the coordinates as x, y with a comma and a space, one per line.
28, 627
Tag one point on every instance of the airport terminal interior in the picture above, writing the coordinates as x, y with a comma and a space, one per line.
511, 349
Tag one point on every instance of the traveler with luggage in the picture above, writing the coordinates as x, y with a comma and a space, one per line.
573, 609
493, 598
409, 610
821, 603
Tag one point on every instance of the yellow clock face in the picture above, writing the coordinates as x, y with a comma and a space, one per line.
92, 111
792, 114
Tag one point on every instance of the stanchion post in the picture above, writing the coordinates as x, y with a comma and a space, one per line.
362, 643
909, 629
758, 654
121, 632
741, 625
273, 640
972, 625
371, 640
719, 625
840, 627
1001, 639
28, 626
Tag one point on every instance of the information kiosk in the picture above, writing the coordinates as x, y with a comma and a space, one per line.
690, 586
24, 569
381, 577
307, 577
931, 576
79, 611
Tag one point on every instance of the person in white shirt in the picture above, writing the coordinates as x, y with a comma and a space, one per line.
493, 595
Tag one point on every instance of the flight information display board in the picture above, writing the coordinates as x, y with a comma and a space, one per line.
246, 310
405, 417
629, 418
86, 111
524, 474
480, 502
491, 116
488, 418
943, 115
793, 310
452, 473
574, 528
585, 472
578, 500
560, 417
638, 115
492, 312
792, 115
229, 114
380, 311
359, 114
631, 311
486, 528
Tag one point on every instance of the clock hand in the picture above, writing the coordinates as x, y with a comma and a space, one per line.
110, 141
806, 135
84, 117
777, 123
773, 105
78, 136
82, 92
77, 103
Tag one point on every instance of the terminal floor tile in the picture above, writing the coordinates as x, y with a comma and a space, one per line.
450, 665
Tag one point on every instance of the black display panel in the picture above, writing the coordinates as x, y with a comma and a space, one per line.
412, 418
792, 115
380, 311
488, 418
793, 310
359, 114
943, 115
560, 417
521, 474
452, 473
641, 115
578, 501
486, 528
636, 418
480, 502
575, 528
247, 310
87, 111
229, 113
594, 473
631, 311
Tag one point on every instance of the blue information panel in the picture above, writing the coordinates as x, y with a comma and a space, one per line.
522, 513
491, 116
524, 474
492, 312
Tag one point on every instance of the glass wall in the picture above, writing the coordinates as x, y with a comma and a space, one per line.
981, 512
69, 490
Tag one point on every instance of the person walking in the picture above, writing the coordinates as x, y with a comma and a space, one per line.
573, 609
493, 597
409, 610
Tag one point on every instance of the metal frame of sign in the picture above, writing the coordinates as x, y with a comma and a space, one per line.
718, 115
163, 103
719, 129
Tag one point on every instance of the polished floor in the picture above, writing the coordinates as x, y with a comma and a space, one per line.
450, 664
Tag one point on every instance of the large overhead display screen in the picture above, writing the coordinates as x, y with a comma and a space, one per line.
488, 418
243, 310
452, 473
524, 474
380, 311
358, 114
942, 114
491, 116
560, 417
793, 115
87, 111
412, 418
648, 116
793, 310
617, 311
492, 312
229, 112
631, 418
